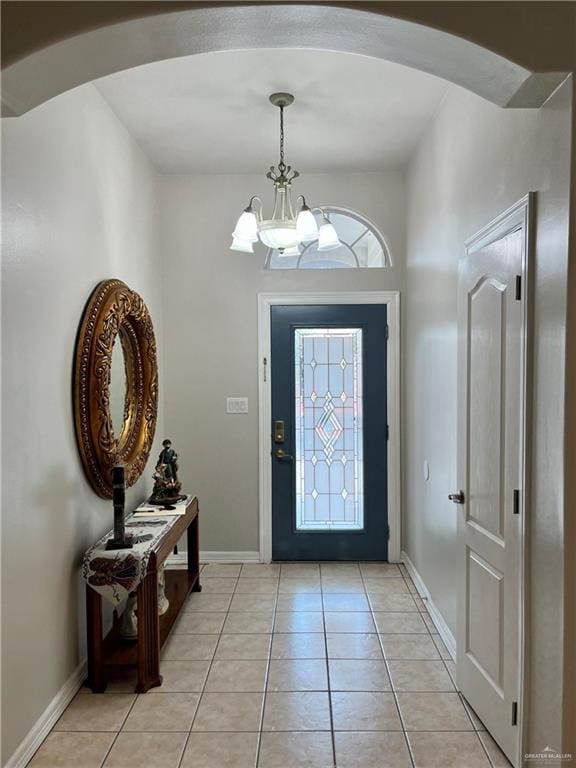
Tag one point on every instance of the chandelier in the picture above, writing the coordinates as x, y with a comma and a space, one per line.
285, 231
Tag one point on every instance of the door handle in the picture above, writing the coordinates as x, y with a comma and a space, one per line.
457, 498
282, 455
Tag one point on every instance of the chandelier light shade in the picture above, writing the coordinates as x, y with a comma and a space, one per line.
306, 226
285, 231
327, 237
246, 226
247, 246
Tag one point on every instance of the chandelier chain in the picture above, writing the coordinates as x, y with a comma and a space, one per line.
282, 164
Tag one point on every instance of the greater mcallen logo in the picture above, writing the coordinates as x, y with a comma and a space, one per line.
548, 753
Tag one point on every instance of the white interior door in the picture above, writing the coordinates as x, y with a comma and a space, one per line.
491, 456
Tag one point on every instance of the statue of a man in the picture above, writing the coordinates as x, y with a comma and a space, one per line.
167, 487
169, 459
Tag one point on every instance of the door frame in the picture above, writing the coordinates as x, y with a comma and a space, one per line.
520, 213
391, 299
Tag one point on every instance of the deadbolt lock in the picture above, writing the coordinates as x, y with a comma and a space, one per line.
278, 431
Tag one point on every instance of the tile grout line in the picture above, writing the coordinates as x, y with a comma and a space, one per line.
203, 688
484, 748
485, 751
332, 735
459, 693
119, 731
407, 580
229, 730
394, 693
432, 634
267, 674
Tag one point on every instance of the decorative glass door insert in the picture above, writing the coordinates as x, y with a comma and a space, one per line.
328, 430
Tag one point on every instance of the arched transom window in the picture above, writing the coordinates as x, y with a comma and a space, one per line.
362, 246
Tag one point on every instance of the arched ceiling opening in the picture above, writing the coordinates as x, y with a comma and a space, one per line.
67, 63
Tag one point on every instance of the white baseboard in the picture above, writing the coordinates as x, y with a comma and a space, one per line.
181, 558
443, 628
229, 557
47, 719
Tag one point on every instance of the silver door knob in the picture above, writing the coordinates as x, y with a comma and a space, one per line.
457, 498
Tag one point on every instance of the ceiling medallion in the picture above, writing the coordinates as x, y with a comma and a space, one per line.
285, 231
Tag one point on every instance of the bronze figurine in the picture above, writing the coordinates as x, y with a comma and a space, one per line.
167, 487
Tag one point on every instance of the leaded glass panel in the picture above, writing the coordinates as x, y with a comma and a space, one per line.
329, 429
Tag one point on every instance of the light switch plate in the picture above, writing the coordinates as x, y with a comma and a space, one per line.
236, 405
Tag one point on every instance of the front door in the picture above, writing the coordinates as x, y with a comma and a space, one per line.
329, 433
491, 456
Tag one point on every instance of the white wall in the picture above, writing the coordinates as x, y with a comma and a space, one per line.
474, 162
79, 207
210, 296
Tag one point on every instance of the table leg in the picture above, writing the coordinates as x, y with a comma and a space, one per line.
193, 542
96, 669
148, 634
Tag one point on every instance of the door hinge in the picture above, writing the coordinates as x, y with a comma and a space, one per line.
387, 332
514, 713
265, 367
516, 501
518, 287
387, 432
387, 532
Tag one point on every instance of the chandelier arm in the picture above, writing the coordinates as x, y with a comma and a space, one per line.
304, 206
258, 213
288, 204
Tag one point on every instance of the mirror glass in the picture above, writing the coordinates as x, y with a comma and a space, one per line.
117, 387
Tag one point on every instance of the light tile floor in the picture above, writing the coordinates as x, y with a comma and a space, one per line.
298, 665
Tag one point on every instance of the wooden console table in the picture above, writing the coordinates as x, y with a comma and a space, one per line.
153, 630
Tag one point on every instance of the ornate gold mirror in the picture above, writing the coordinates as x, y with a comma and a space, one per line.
115, 385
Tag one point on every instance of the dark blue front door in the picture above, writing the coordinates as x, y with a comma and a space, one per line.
329, 434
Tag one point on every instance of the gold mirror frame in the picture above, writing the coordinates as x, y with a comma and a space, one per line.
115, 310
